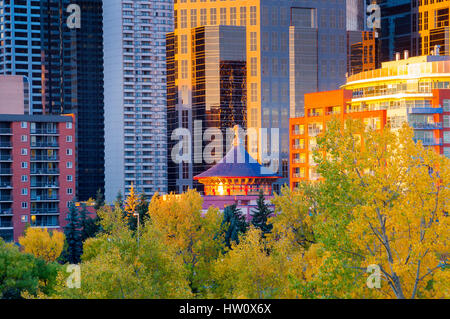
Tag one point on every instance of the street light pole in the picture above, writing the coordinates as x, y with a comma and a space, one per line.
138, 224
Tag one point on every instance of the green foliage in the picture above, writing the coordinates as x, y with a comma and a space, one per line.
99, 200
22, 273
260, 216
234, 223
73, 236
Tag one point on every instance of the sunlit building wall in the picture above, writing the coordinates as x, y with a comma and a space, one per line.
275, 31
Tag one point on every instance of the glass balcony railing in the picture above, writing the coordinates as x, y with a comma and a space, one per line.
5, 144
6, 212
44, 171
5, 130
5, 171
44, 131
44, 197
44, 212
426, 126
44, 158
44, 144
429, 141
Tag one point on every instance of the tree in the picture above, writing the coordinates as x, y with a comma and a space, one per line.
89, 227
234, 224
119, 199
249, 271
23, 273
261, 215
72, 231
383, 201
99, 200
114, 268
42, 244
195, 236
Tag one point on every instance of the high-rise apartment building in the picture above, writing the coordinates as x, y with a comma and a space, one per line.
63, 66
413, 90
135, 95
37, 164
292, 47
431, 26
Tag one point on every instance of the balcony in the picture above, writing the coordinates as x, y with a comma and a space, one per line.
298, 132
6, 224
5, 158
297, 175
5, 171
44, 185
44, 158
5, 131
429, 141
6, 198
44, 145
5, 185
298, 146
298, 161
5, 145
314, 131
6, 212
427, 126
41, 198
44, 171
44, 131
45, 212
41, 223
425, 110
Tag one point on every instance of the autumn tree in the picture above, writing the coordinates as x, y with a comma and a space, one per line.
194, 235
42, 244
113, 267
383, 201
249, 271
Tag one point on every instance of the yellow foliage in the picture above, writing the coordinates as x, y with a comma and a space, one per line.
42, 244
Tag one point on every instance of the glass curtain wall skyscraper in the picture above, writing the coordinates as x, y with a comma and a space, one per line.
292, 47
135, 95
64, 68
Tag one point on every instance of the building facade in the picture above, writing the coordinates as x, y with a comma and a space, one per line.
63, 67
292, 47
37, 173
135, 95
414, 90
431, 26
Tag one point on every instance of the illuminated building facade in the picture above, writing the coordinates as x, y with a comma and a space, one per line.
291, 47
431, 26
236, 179
414, 90
362, 51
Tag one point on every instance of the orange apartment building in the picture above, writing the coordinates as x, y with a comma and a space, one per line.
413, 90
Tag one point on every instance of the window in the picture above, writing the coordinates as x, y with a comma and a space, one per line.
24, 138
69, 165
233, 16
24, 205
253, 66
24, 178
183, 18
69, 152
223, 16
447, 137
446, 121
254, 92
446, 105
184, 69
69, 138
243, 16
183, 44
24, 164
68, 125
203, 17
193, 18
213, 16
69, 178
447, 151
24, 191
253, 43
69, 191
23, 125
24, 151
253, 15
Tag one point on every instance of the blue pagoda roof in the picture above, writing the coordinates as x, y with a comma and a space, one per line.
238, 163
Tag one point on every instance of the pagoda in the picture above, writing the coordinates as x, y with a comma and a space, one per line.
237, 179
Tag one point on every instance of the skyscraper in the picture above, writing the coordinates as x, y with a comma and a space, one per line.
292, 47
135, 95
431, 26
64, 68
